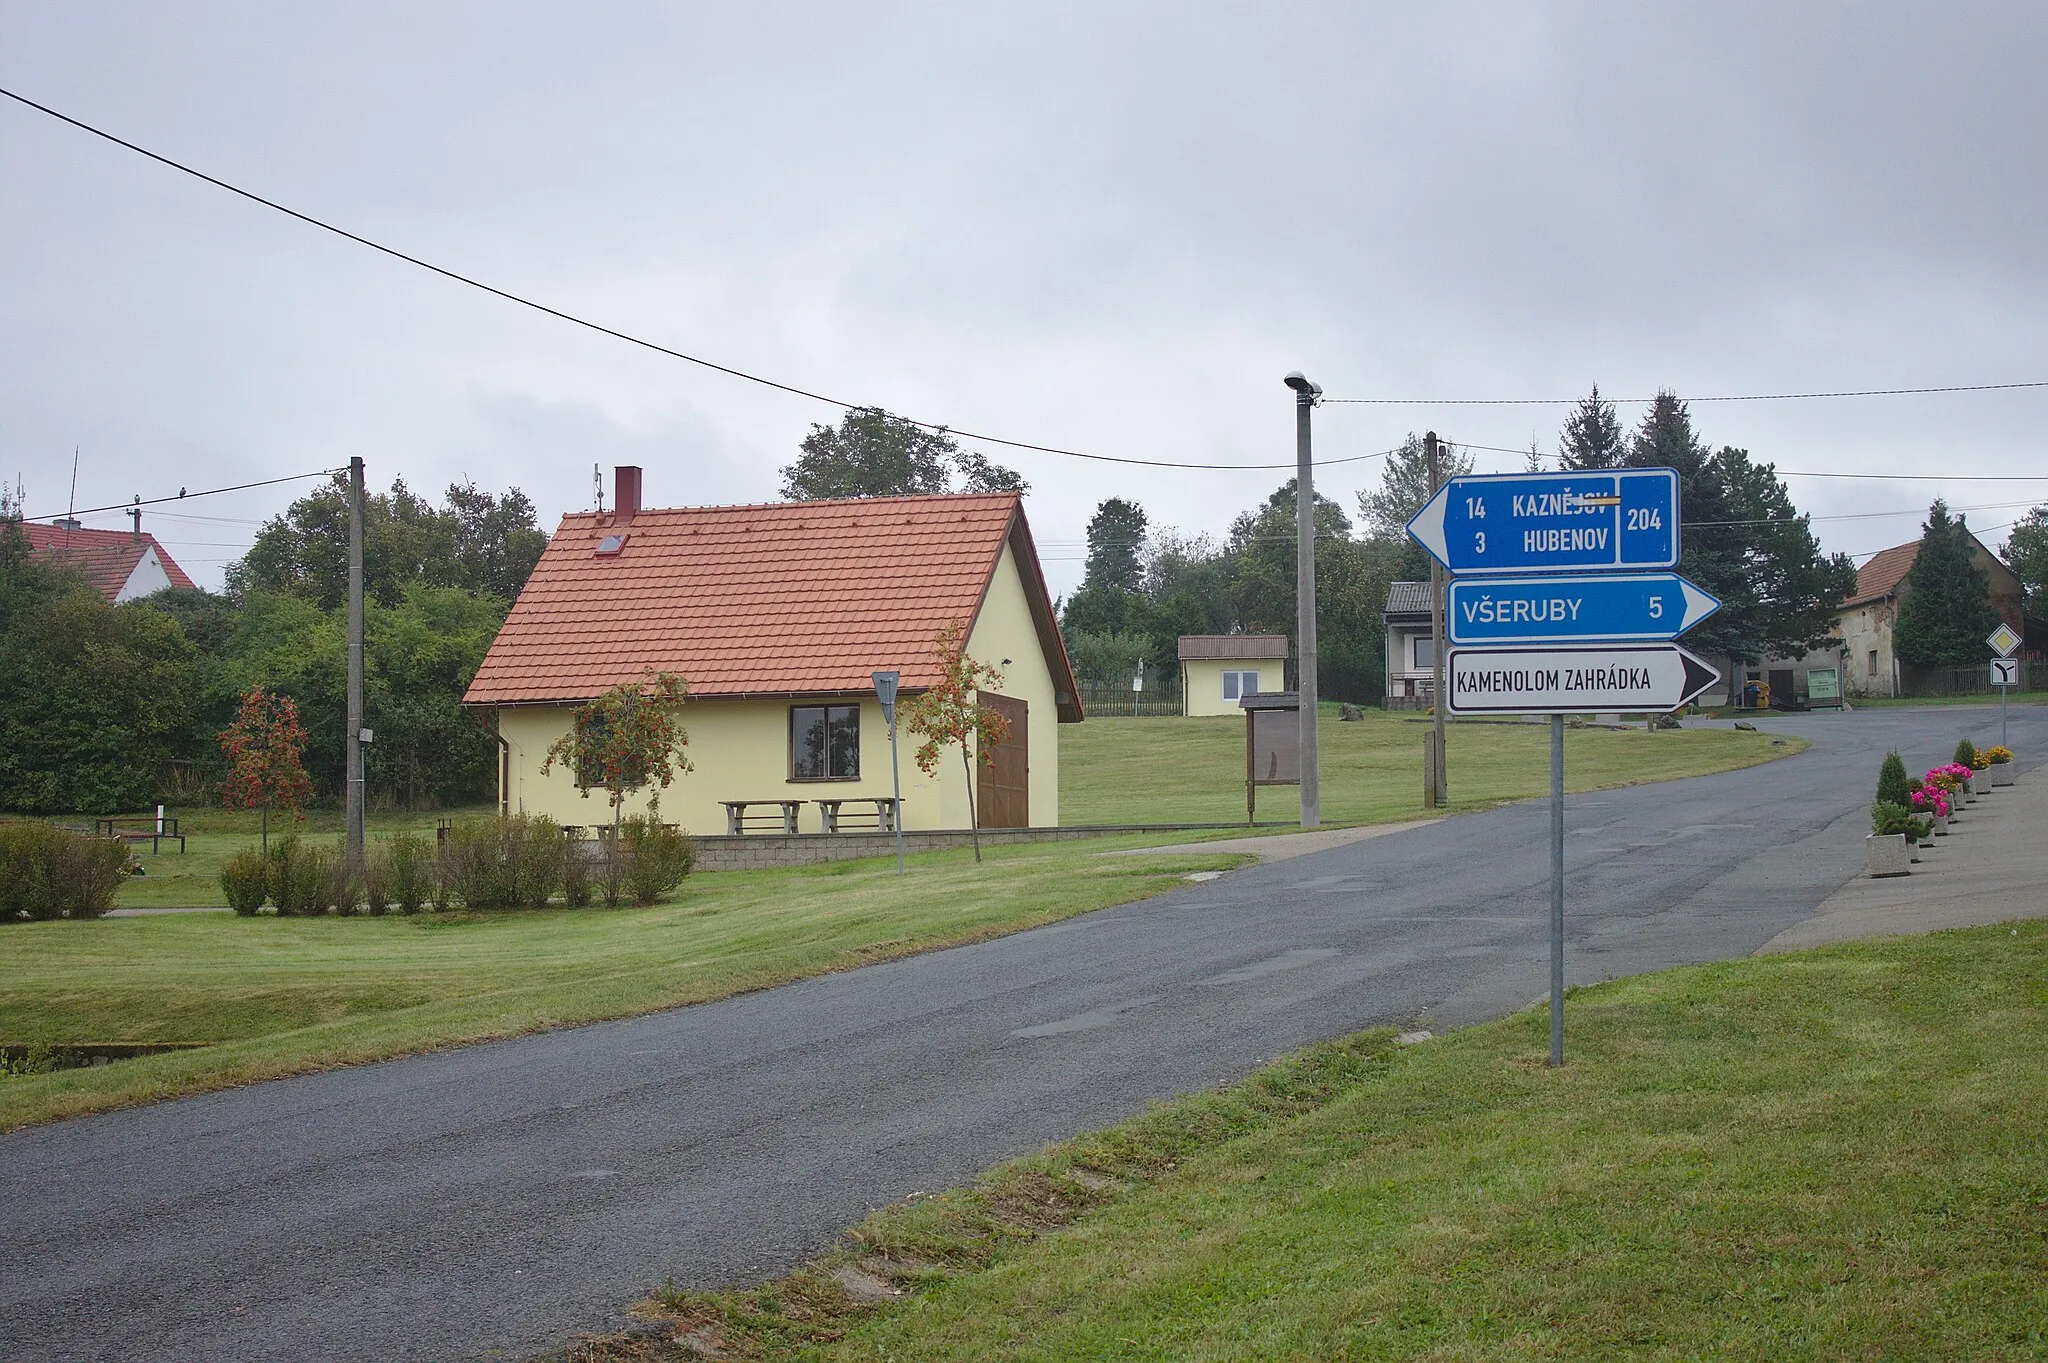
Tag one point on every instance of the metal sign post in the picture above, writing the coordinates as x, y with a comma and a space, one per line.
885, 691
2005, 669
1589, 632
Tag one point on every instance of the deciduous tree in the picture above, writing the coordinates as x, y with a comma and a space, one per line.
873, 454
629, 737
265, 748
949, 713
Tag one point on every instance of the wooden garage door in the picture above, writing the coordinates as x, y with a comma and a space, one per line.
1002, 797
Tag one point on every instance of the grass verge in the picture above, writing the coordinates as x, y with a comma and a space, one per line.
1829, 1154
1177, 770
275, 996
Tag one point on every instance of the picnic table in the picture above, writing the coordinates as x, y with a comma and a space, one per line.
152, 830
881, 816
739, 819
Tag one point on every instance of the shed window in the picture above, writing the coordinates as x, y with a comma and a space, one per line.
1236, 684
824, 743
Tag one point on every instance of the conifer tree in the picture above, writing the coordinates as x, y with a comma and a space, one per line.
1945, 611
1592, 437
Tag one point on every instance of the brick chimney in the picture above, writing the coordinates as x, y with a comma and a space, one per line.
625, 493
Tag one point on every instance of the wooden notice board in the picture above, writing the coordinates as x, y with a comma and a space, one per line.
1272, 745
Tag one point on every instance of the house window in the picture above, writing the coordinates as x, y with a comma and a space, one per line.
824, 743
1425, 651
590, 767
1237, 684
1871, 662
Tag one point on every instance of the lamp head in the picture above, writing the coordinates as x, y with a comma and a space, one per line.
1303, 388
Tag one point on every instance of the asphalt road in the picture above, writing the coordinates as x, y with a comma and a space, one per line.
494, 1201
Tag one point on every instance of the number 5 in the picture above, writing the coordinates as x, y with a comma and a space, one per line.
1656, 608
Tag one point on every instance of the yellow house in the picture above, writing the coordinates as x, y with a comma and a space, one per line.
1216, 670
777, 616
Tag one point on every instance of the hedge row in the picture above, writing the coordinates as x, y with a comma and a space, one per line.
485, 863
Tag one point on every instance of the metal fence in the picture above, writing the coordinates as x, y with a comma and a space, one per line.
1113, 698
1974, 680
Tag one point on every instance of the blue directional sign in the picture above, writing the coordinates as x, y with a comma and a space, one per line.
1552, 522
1574, 609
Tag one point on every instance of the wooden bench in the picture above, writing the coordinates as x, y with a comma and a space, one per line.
740, 817
880, 817
153, 831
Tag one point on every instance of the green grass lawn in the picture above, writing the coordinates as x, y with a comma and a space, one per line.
1192, 770
1152, 771
276, 996
1836, 1154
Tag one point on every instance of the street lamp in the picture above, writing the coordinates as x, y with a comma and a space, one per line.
1306, 395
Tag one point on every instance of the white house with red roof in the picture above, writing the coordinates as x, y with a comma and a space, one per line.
777, 616
121, 565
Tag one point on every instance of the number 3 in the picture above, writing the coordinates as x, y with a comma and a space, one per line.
1479, 536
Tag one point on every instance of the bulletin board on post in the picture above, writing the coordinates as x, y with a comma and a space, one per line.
1272, 745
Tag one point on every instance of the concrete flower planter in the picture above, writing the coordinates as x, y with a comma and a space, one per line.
1940, 825
2001, 773
1889, 855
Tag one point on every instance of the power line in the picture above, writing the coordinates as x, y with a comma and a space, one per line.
182, 495
1792, 473
1717, 397
614, 332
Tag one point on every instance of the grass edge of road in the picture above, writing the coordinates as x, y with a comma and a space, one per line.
1732, 1179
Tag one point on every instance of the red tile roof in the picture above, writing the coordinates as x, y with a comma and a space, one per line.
107, 558
1881, 576
779, 599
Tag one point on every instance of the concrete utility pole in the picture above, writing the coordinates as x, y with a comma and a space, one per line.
1435, 781
354, 795
1305, 397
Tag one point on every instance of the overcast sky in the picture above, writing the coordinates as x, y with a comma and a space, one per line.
1105, 227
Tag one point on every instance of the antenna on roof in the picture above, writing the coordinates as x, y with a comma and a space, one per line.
597, 486
71, 521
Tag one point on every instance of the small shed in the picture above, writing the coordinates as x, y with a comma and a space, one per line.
1218, 670
1411, 644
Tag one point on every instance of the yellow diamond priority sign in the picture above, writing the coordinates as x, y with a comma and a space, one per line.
2003, 641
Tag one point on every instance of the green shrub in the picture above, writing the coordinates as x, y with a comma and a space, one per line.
245, 881
536, 858
576, 876
376, 879
496, 863
411, 865
1966, 752
1887, 820
49, 872
341, 885
1891, 781
657, 857
473, 864
298, 877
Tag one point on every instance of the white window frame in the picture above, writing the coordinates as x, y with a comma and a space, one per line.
1234, 687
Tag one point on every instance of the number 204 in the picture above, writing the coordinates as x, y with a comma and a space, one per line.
1645, 518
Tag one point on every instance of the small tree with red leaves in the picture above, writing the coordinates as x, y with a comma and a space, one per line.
265, 748
950, 712
627, 738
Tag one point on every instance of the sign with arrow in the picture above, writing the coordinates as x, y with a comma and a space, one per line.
1552, 522
1579, 609
1573, 681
